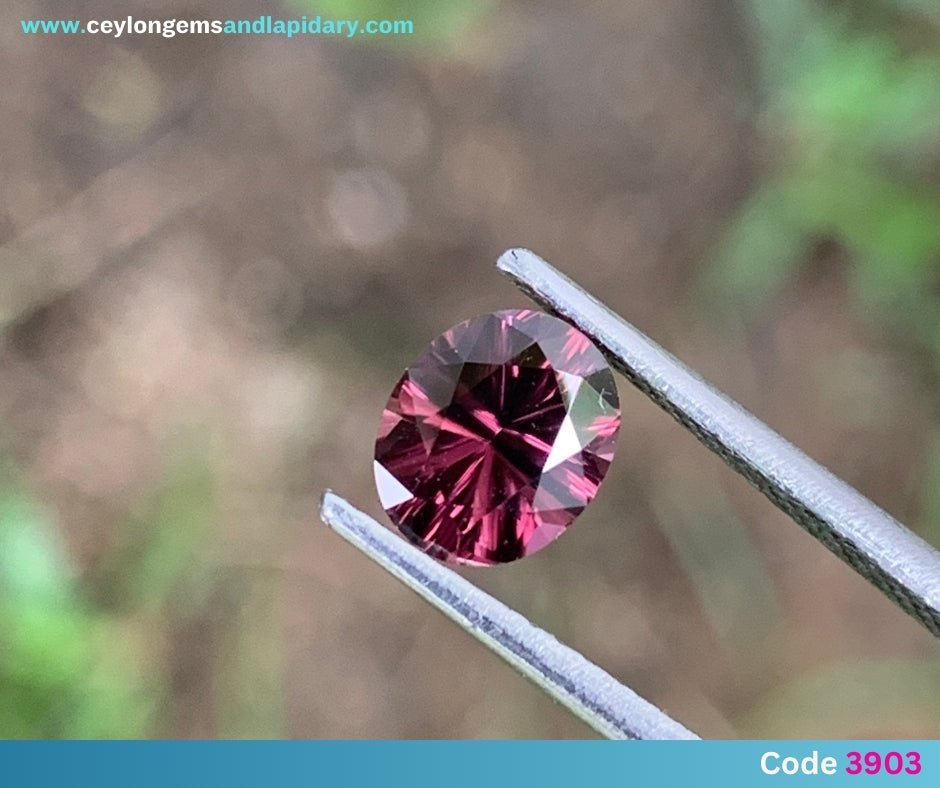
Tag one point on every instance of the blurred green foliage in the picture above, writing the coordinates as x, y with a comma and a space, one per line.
80, 660
439, 24
60, 675
850, 113
849, 121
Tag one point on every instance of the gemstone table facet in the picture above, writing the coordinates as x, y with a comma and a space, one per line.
497, 437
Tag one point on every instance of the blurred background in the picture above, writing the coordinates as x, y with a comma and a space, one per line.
218, 253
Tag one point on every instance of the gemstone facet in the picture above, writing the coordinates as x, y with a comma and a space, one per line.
497, 437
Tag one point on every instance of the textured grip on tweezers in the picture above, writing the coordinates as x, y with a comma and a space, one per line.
874, 544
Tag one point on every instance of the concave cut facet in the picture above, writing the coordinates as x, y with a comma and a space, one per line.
497, 437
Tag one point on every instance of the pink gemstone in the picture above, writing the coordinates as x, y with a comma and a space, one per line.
497, 437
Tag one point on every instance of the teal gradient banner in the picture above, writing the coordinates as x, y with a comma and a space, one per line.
471, 764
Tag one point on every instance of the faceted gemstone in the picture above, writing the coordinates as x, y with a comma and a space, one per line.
497, 437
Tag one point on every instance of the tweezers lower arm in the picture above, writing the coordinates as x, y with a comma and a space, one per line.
600, 700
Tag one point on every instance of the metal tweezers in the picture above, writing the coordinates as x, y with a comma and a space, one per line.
896, 561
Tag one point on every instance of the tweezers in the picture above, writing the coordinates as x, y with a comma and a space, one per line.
895, 560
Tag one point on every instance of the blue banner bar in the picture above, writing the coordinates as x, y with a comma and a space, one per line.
470, 764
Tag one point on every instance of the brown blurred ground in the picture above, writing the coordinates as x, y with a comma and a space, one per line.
220, 253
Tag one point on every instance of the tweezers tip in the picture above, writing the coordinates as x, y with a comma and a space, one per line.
328, 503
513, 260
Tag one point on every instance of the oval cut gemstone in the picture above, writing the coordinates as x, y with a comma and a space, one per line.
497, 437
